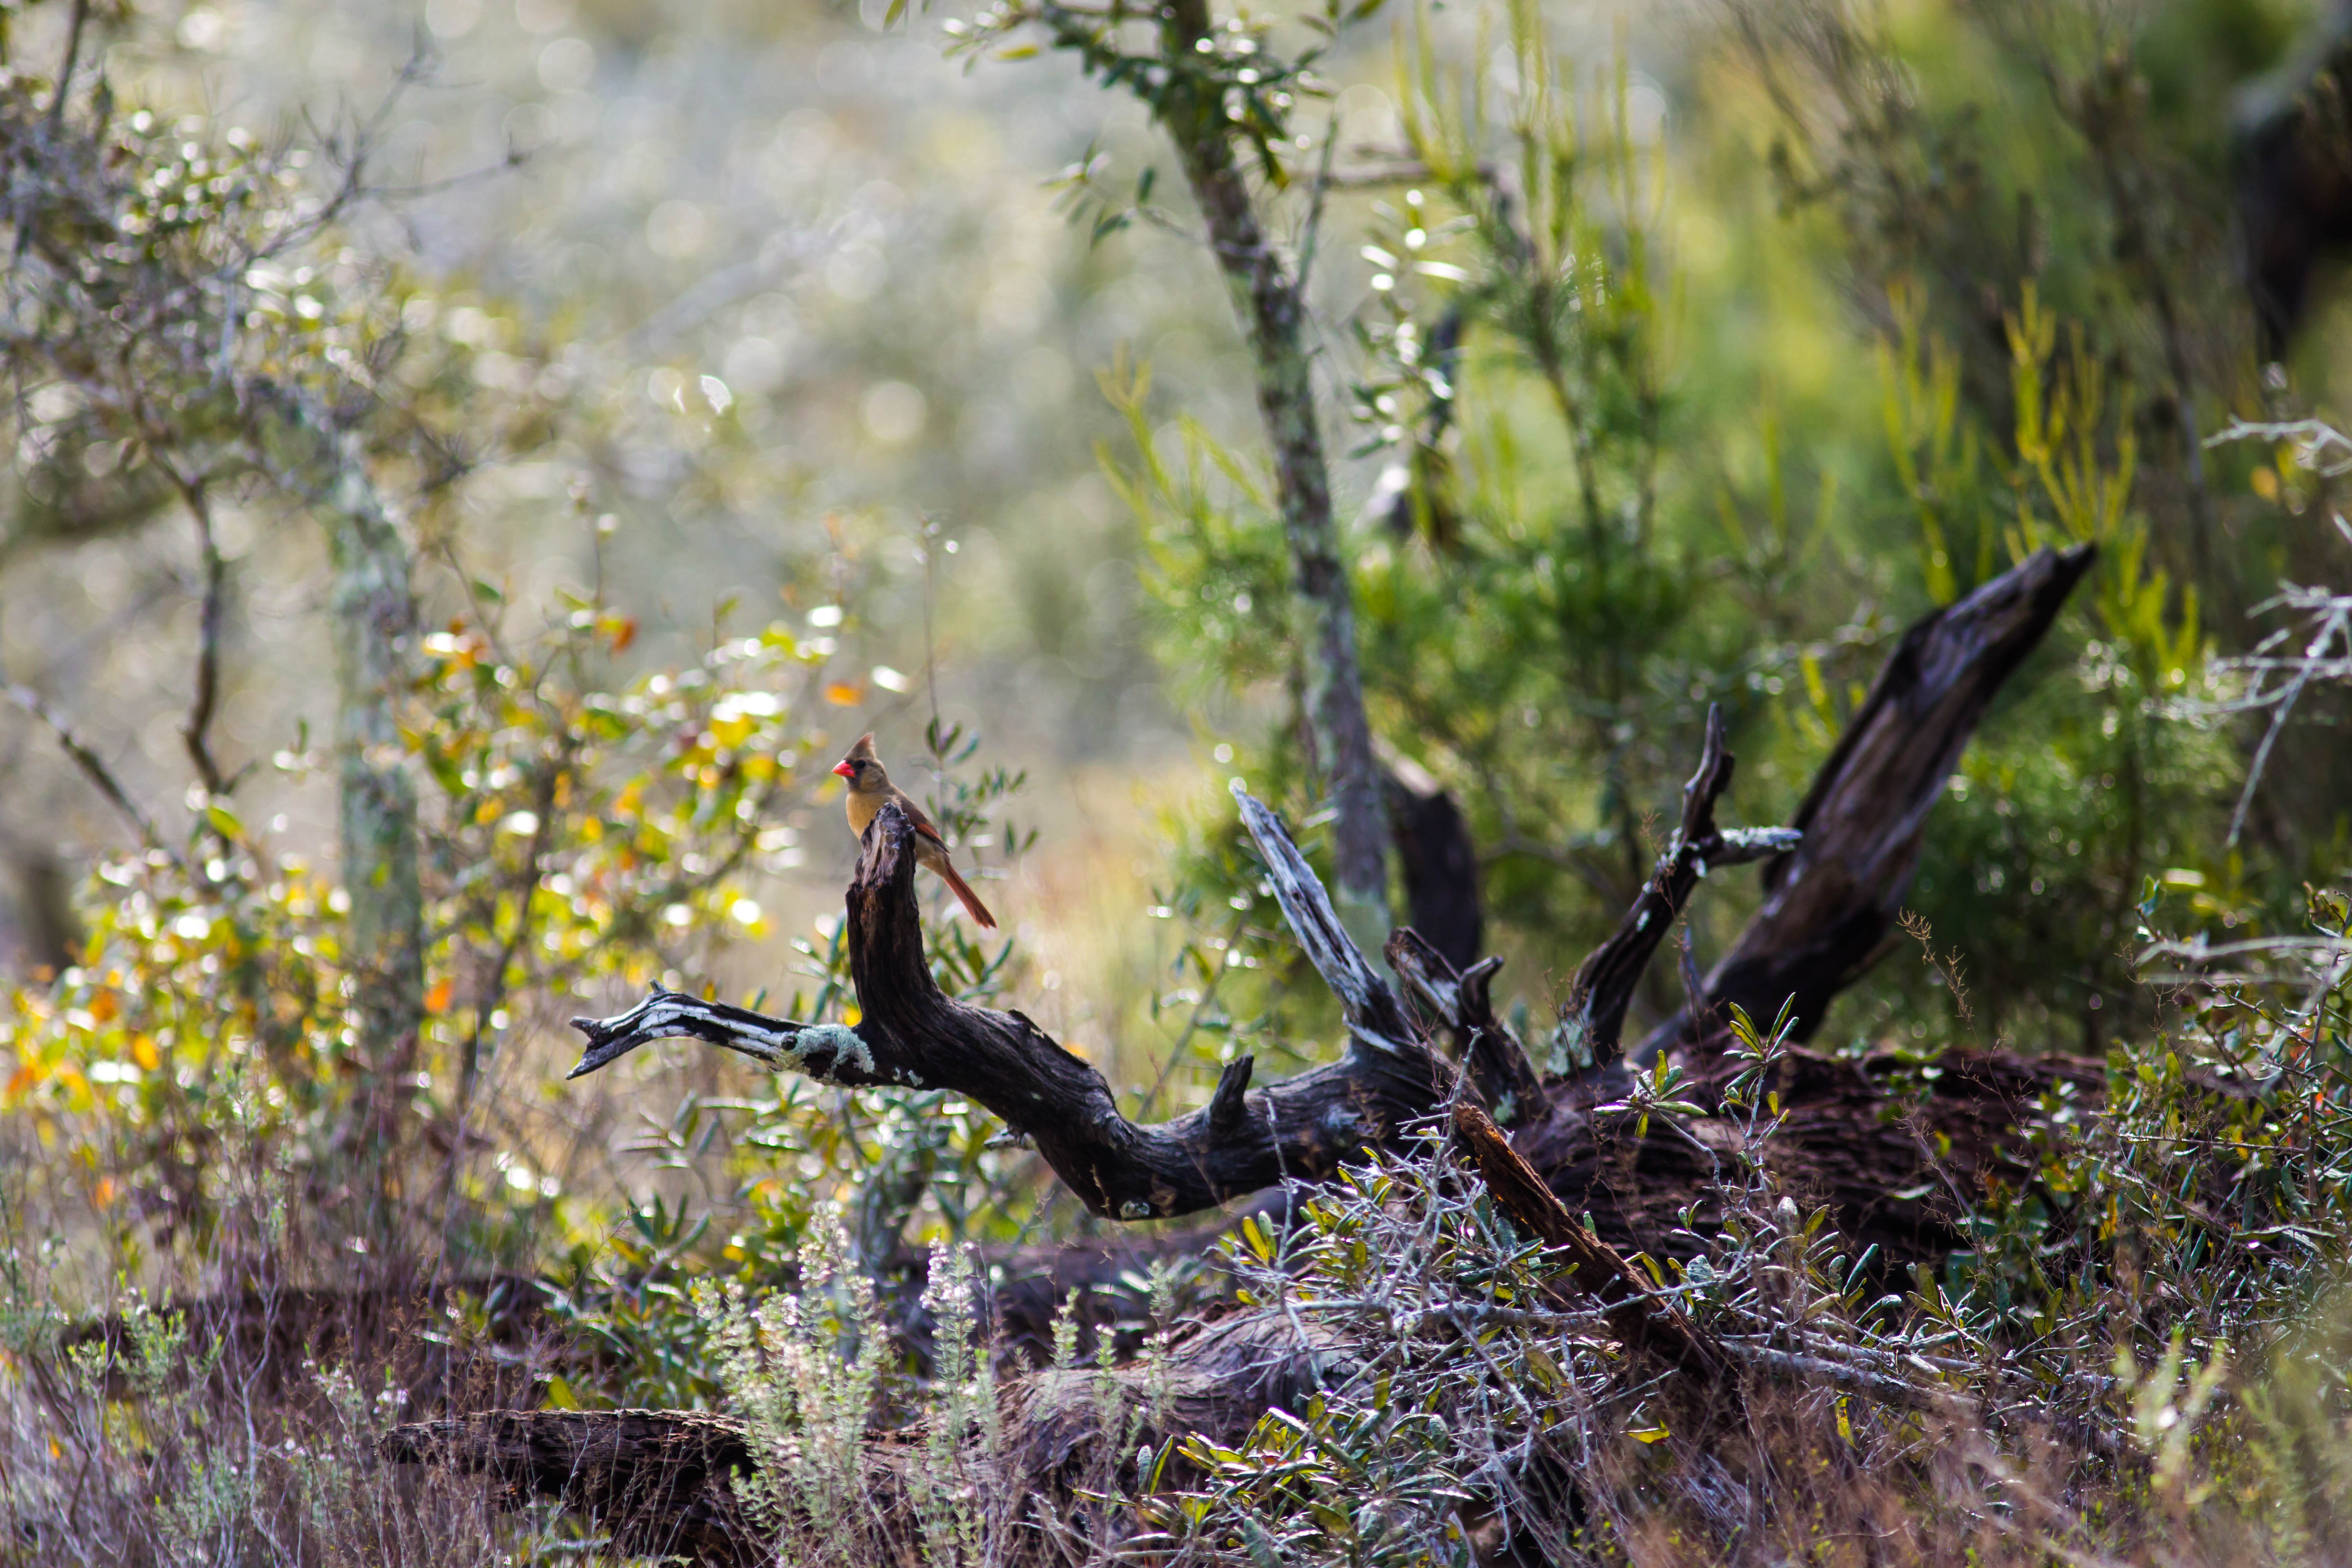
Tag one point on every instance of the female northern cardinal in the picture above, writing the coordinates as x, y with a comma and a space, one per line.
869, 788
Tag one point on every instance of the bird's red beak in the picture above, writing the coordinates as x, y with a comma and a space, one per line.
844, 770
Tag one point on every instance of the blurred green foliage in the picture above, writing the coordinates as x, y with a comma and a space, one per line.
1583, 536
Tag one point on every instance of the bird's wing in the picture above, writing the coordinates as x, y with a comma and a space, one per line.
917, 821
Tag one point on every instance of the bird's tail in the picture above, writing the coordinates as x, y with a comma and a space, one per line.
971, 904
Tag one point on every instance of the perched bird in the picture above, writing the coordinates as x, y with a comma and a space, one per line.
870, 789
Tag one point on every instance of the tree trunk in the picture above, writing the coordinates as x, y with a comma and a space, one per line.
2292, 151
1266, 297
1440, 863
373, 615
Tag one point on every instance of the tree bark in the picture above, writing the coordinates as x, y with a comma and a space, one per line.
1440, 863
914, 1035
1830, 901
1267, 299
373, 615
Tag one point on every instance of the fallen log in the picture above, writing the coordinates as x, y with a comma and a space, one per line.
1896, 1171
1897, 1159
664, 1483
659, 1480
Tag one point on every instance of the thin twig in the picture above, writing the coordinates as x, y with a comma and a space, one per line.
1314, 229
92, 766
195, 731
65, 71
2337, 623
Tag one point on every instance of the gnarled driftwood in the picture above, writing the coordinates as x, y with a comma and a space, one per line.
913, 1033
1831, 899
1838, 876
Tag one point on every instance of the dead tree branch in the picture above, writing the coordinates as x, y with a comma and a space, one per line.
1829, 901
914, 1035
92, 766
1830, 904
1587, 1185
1597, 999
1638, 1317
1463, 1009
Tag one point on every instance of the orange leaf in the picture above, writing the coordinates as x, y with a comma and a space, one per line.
104, 1196
142, 1051
622, 630
436, 1001
843, 694
103, 1007
24, 1079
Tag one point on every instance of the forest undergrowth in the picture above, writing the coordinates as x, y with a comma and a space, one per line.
289, 1158
2141, 1359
